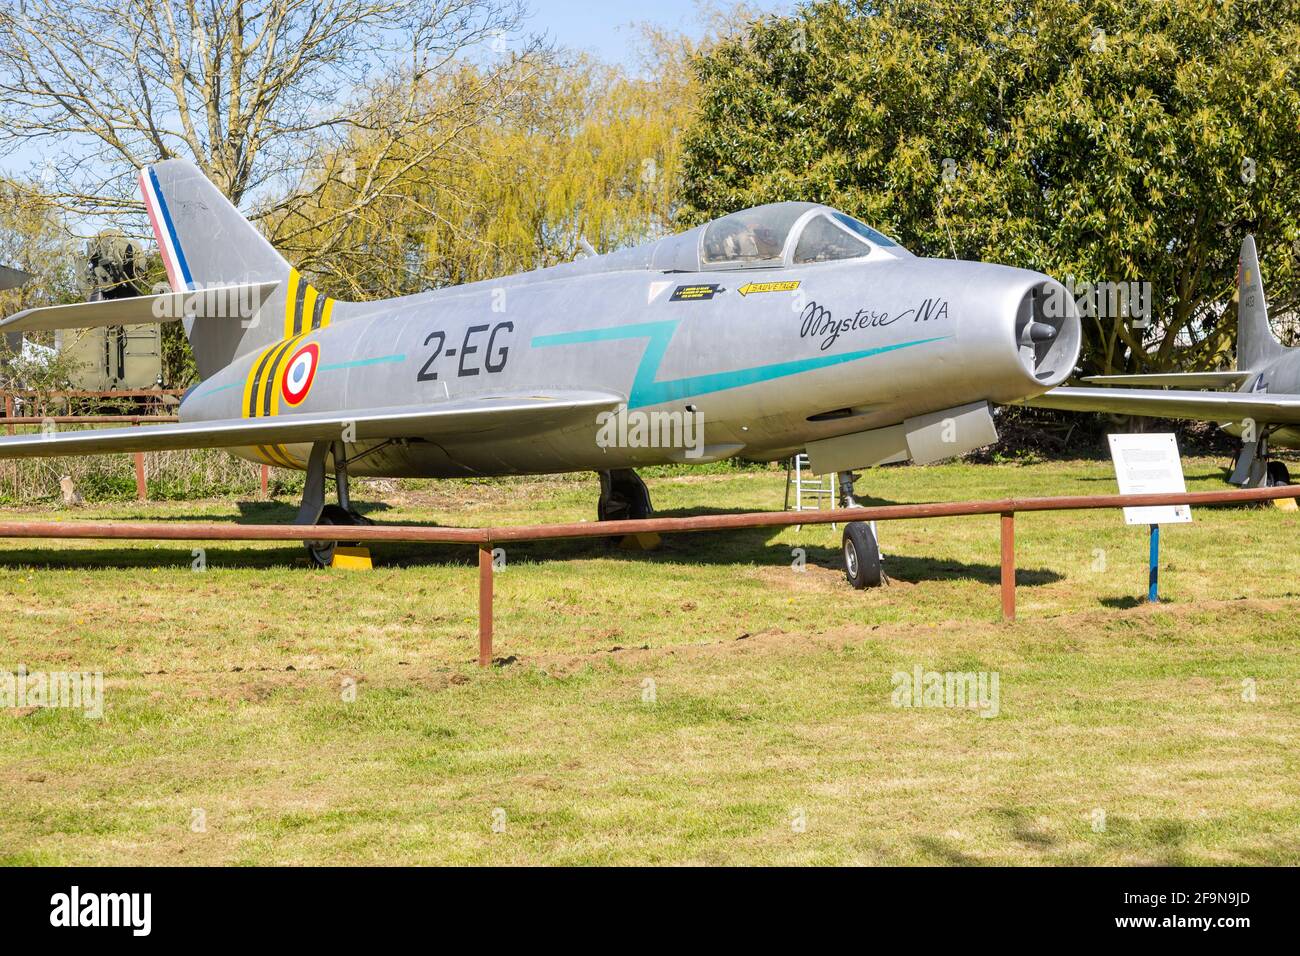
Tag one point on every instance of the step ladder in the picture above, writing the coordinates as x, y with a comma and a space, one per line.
810, 494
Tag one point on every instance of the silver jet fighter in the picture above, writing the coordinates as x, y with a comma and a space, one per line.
781, 329
1263, 411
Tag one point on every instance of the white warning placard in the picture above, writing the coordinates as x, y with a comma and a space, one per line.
1150, 465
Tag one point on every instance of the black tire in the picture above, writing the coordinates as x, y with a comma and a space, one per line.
1278, 474
624, 497
862, 556
322, 552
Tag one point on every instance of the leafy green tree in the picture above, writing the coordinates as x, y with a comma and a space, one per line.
32, 238
581, 151
1105, 140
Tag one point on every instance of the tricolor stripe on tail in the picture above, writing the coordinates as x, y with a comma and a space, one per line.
169, 243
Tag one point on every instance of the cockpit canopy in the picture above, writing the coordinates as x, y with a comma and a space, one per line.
788, 233
766, 237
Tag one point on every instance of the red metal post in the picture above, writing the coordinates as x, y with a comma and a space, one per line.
1008, 565
9, 414
266, 478
484, 604
141, 490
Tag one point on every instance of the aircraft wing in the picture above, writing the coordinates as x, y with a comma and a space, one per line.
1278, 409
1176, 379
138, 310
521, 413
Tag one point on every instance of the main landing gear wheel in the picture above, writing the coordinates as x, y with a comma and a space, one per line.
862, 564
314, 510
322, 552
1278, 474
623, 496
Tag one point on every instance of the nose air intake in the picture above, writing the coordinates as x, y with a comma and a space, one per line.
1047, 332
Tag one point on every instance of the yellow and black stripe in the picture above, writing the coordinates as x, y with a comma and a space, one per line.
304, 307
305, 311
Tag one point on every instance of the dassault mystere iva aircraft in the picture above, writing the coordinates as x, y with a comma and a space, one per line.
1264, 410
785, 328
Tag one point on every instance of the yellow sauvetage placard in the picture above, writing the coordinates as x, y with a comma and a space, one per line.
749, 287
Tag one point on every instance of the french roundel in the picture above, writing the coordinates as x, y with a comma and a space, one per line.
299, 373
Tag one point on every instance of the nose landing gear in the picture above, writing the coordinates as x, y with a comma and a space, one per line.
862, 564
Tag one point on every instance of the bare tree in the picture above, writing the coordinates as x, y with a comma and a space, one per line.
250, 91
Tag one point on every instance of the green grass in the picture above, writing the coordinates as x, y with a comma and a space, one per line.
772, 688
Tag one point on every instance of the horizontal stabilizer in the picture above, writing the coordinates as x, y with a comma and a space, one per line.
232, 301
521, 414
1175, 379
1223, 407
13, 278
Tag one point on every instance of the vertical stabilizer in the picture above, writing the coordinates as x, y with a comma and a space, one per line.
204, 242
1256, 343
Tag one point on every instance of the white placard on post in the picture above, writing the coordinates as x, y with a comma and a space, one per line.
1150, 465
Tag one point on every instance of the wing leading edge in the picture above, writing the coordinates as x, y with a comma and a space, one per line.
1230, 379
1160, 403
524, 413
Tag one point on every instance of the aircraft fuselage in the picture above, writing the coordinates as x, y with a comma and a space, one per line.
768, 359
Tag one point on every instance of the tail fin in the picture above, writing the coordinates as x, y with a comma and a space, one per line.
205, 241
1256, 343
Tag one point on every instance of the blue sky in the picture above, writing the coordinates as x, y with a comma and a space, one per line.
609, 29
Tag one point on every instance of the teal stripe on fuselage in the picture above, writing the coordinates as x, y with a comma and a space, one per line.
355, 363
361, 363
647, 391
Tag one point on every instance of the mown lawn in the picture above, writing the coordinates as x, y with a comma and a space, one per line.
703, 703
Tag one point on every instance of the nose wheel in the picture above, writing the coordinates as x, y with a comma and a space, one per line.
862, 564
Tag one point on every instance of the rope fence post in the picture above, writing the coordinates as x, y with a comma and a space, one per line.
484, 604
141, 489
1008, 565
9, 414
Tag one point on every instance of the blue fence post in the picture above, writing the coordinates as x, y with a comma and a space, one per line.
1153, 590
